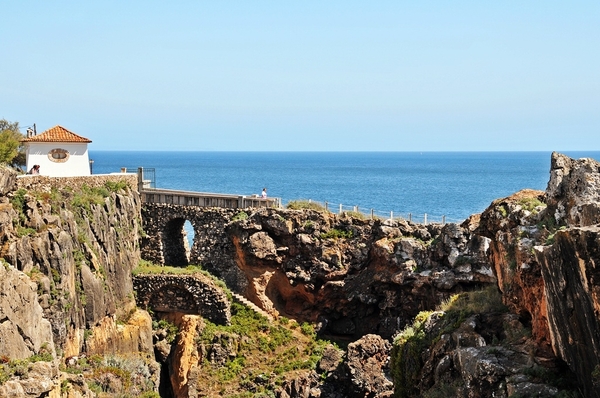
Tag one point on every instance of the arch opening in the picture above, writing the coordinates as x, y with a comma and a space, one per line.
177, 240
173, 298
188, 230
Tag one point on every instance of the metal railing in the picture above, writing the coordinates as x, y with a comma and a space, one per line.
421, 218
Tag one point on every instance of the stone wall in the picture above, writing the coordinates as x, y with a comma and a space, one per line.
44, 183
191, 294
164, 242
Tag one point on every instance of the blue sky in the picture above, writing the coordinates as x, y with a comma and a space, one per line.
311, 75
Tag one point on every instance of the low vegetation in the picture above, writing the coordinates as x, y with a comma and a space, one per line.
114, 375
242, 215
261, 354
305, 204
336, 233
20, 367
413, 340
532, 204
148, 268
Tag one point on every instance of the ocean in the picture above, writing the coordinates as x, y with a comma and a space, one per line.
452, 185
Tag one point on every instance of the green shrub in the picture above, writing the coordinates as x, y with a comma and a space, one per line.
503, 210
116, 186
531, 204
335, 233
89, 196
18, 202
169, 327
242, 215
263, 351
23, 231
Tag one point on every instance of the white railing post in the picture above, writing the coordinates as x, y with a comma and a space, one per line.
425, 219
340, 209
410, 217
372, 214
443, 220
392, 215
326, 206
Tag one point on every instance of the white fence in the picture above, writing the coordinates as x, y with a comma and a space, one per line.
423, 218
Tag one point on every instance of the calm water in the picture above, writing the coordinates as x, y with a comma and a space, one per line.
454, 184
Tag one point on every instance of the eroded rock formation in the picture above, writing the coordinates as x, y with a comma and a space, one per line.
67, 288
353, 276
544, 249
68, 248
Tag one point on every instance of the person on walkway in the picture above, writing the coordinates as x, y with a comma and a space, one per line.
35, 169
264, 193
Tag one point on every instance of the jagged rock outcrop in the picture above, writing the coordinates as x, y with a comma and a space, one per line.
570, 269
353, 276
573, 189
69, 246
545, 249
462, 353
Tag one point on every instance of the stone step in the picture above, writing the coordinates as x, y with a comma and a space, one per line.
243, 300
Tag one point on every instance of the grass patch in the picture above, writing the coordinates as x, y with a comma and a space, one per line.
20, 367
336, 233
406, 357
531, 204
262, 354
89, 196
167, 326
503, 210
25, 231
116, 186
304, 205
148, 268
242, 215
355, 214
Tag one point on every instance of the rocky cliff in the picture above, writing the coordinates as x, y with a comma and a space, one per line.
544, 250
504, 304
350, 276
68, 247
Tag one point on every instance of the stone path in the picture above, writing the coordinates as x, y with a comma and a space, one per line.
242, 300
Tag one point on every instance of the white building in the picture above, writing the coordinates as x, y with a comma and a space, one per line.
58, 152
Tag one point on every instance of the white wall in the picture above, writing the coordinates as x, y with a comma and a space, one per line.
78, 163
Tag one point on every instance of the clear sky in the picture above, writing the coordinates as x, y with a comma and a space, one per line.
310, 75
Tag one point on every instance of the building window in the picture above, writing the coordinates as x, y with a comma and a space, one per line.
58, 155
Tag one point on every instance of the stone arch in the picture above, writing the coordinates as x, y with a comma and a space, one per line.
192, 294
173, 298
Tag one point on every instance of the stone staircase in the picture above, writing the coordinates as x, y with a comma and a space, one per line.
243, 300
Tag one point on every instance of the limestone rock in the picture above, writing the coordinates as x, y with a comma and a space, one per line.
368, 366
8, 179
23, 328
572, 193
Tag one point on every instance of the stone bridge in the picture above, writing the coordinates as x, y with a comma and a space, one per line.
165, 240
191, 294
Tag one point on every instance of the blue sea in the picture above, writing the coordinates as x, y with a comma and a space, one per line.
452, 185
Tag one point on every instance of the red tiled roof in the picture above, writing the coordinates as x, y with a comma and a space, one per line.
57, 134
